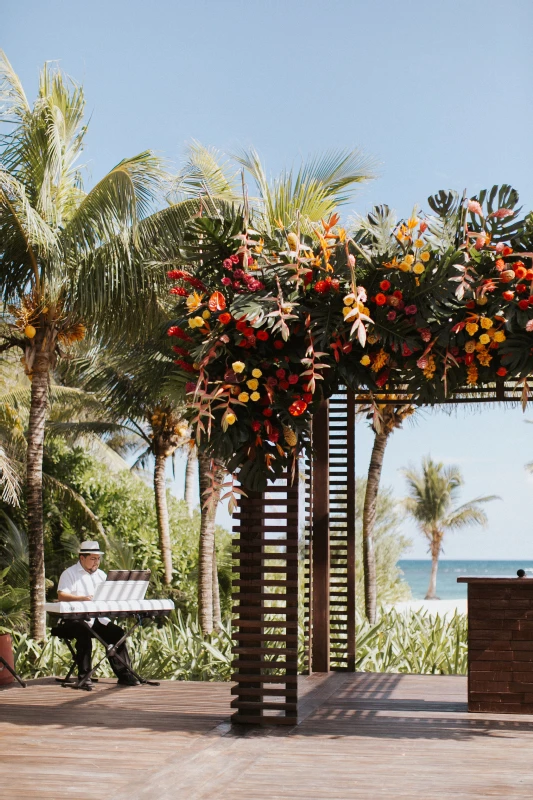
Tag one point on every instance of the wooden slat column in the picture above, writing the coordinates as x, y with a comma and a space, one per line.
265, 599
320, 566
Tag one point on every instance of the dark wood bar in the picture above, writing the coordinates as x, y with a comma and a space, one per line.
500, 644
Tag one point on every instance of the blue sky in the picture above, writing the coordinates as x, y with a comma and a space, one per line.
438, 92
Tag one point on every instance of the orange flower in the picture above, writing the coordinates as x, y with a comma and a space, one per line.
380, 299
225, 318
217, 302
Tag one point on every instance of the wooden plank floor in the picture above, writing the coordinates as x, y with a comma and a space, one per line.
362, 736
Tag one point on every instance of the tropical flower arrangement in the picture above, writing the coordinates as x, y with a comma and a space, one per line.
268, 325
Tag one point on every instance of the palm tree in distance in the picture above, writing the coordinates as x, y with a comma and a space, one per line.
433, 493
70, 258
385, 419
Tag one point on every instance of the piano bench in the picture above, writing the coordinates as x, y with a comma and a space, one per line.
55, 630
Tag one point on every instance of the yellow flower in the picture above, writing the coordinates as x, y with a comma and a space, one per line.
193, 301
484, 358
365, 361
472, 328
484, 338
346, 310
418, 268
482, 300
419, 243
243, 397
196, 322
256, 373
255, 396
349, 299
412, 223
404, 266
485, 323
230, 418
237, 366
472, 375
425, 256
470, 346
499, 336
252, 383
409, 259
206, 314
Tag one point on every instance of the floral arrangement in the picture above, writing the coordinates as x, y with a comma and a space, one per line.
269, 325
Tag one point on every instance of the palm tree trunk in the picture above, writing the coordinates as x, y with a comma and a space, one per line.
160, 488
188, 495
369, 521
209, 501
432, 588
217, 614
34, 488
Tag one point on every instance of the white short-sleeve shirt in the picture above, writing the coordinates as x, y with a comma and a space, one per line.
76, 580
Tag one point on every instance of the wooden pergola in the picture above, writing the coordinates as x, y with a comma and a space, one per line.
269, 550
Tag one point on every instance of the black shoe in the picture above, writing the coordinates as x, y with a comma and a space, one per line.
128, 680
87, 686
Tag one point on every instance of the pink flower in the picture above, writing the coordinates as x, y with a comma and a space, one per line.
410, 310
234, 259
227, 263
271, 381
406, 351
236, 284
475, 208
480, 241
529, 325
501, 213
423, 227
391, 316
425, 334
239, 274
190, 387
499, 247
226, 281
351, 260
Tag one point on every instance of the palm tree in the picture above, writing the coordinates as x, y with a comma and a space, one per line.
385, 419
69, 258
432, 497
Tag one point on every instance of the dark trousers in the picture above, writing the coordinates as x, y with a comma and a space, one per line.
110, 633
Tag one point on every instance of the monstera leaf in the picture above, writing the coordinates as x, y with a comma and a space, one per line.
446, 227
498, 200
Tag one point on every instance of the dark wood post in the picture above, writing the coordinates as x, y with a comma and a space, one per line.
265, 595
320, 600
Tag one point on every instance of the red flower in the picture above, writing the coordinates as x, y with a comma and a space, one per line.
507, 251
530, 300
335, 283
380, 299
176, 274
217, 302
471, 304
308, 277
298, 408
280, 373
423, 227
529, 275
398, 294
321, 287
184, 365
383, 378
501, 371
508, 295
234, 258
241, 325
179, 333
520, 272
279, 344
293, 379
179, 291
190, 386
521, 288
181, 351
273, 436
262, 335
523, 304
225, 318
284, 385
196, 283
267, 412
469, 359
384, 286
308, 397
256, 425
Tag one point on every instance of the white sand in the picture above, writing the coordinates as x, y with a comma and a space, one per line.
434, 607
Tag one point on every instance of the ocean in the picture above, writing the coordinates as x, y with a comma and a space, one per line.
416, 574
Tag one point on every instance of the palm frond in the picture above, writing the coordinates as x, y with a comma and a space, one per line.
206, 172
70, 499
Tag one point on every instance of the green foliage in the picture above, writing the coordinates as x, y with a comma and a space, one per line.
176, 651
415, 642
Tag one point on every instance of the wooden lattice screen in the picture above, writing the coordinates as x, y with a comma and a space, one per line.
266, 606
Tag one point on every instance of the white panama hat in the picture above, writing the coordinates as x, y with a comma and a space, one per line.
89, 547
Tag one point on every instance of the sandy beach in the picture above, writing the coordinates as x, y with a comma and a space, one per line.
434, 607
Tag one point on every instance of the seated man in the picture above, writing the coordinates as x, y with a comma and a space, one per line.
78, 583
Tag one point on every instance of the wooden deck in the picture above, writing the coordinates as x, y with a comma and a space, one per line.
361, 736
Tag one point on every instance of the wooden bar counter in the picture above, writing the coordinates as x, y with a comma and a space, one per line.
500, 644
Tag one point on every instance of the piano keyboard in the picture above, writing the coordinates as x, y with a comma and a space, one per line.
84, 609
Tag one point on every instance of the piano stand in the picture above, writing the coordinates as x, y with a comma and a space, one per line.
111, 650
12, 671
